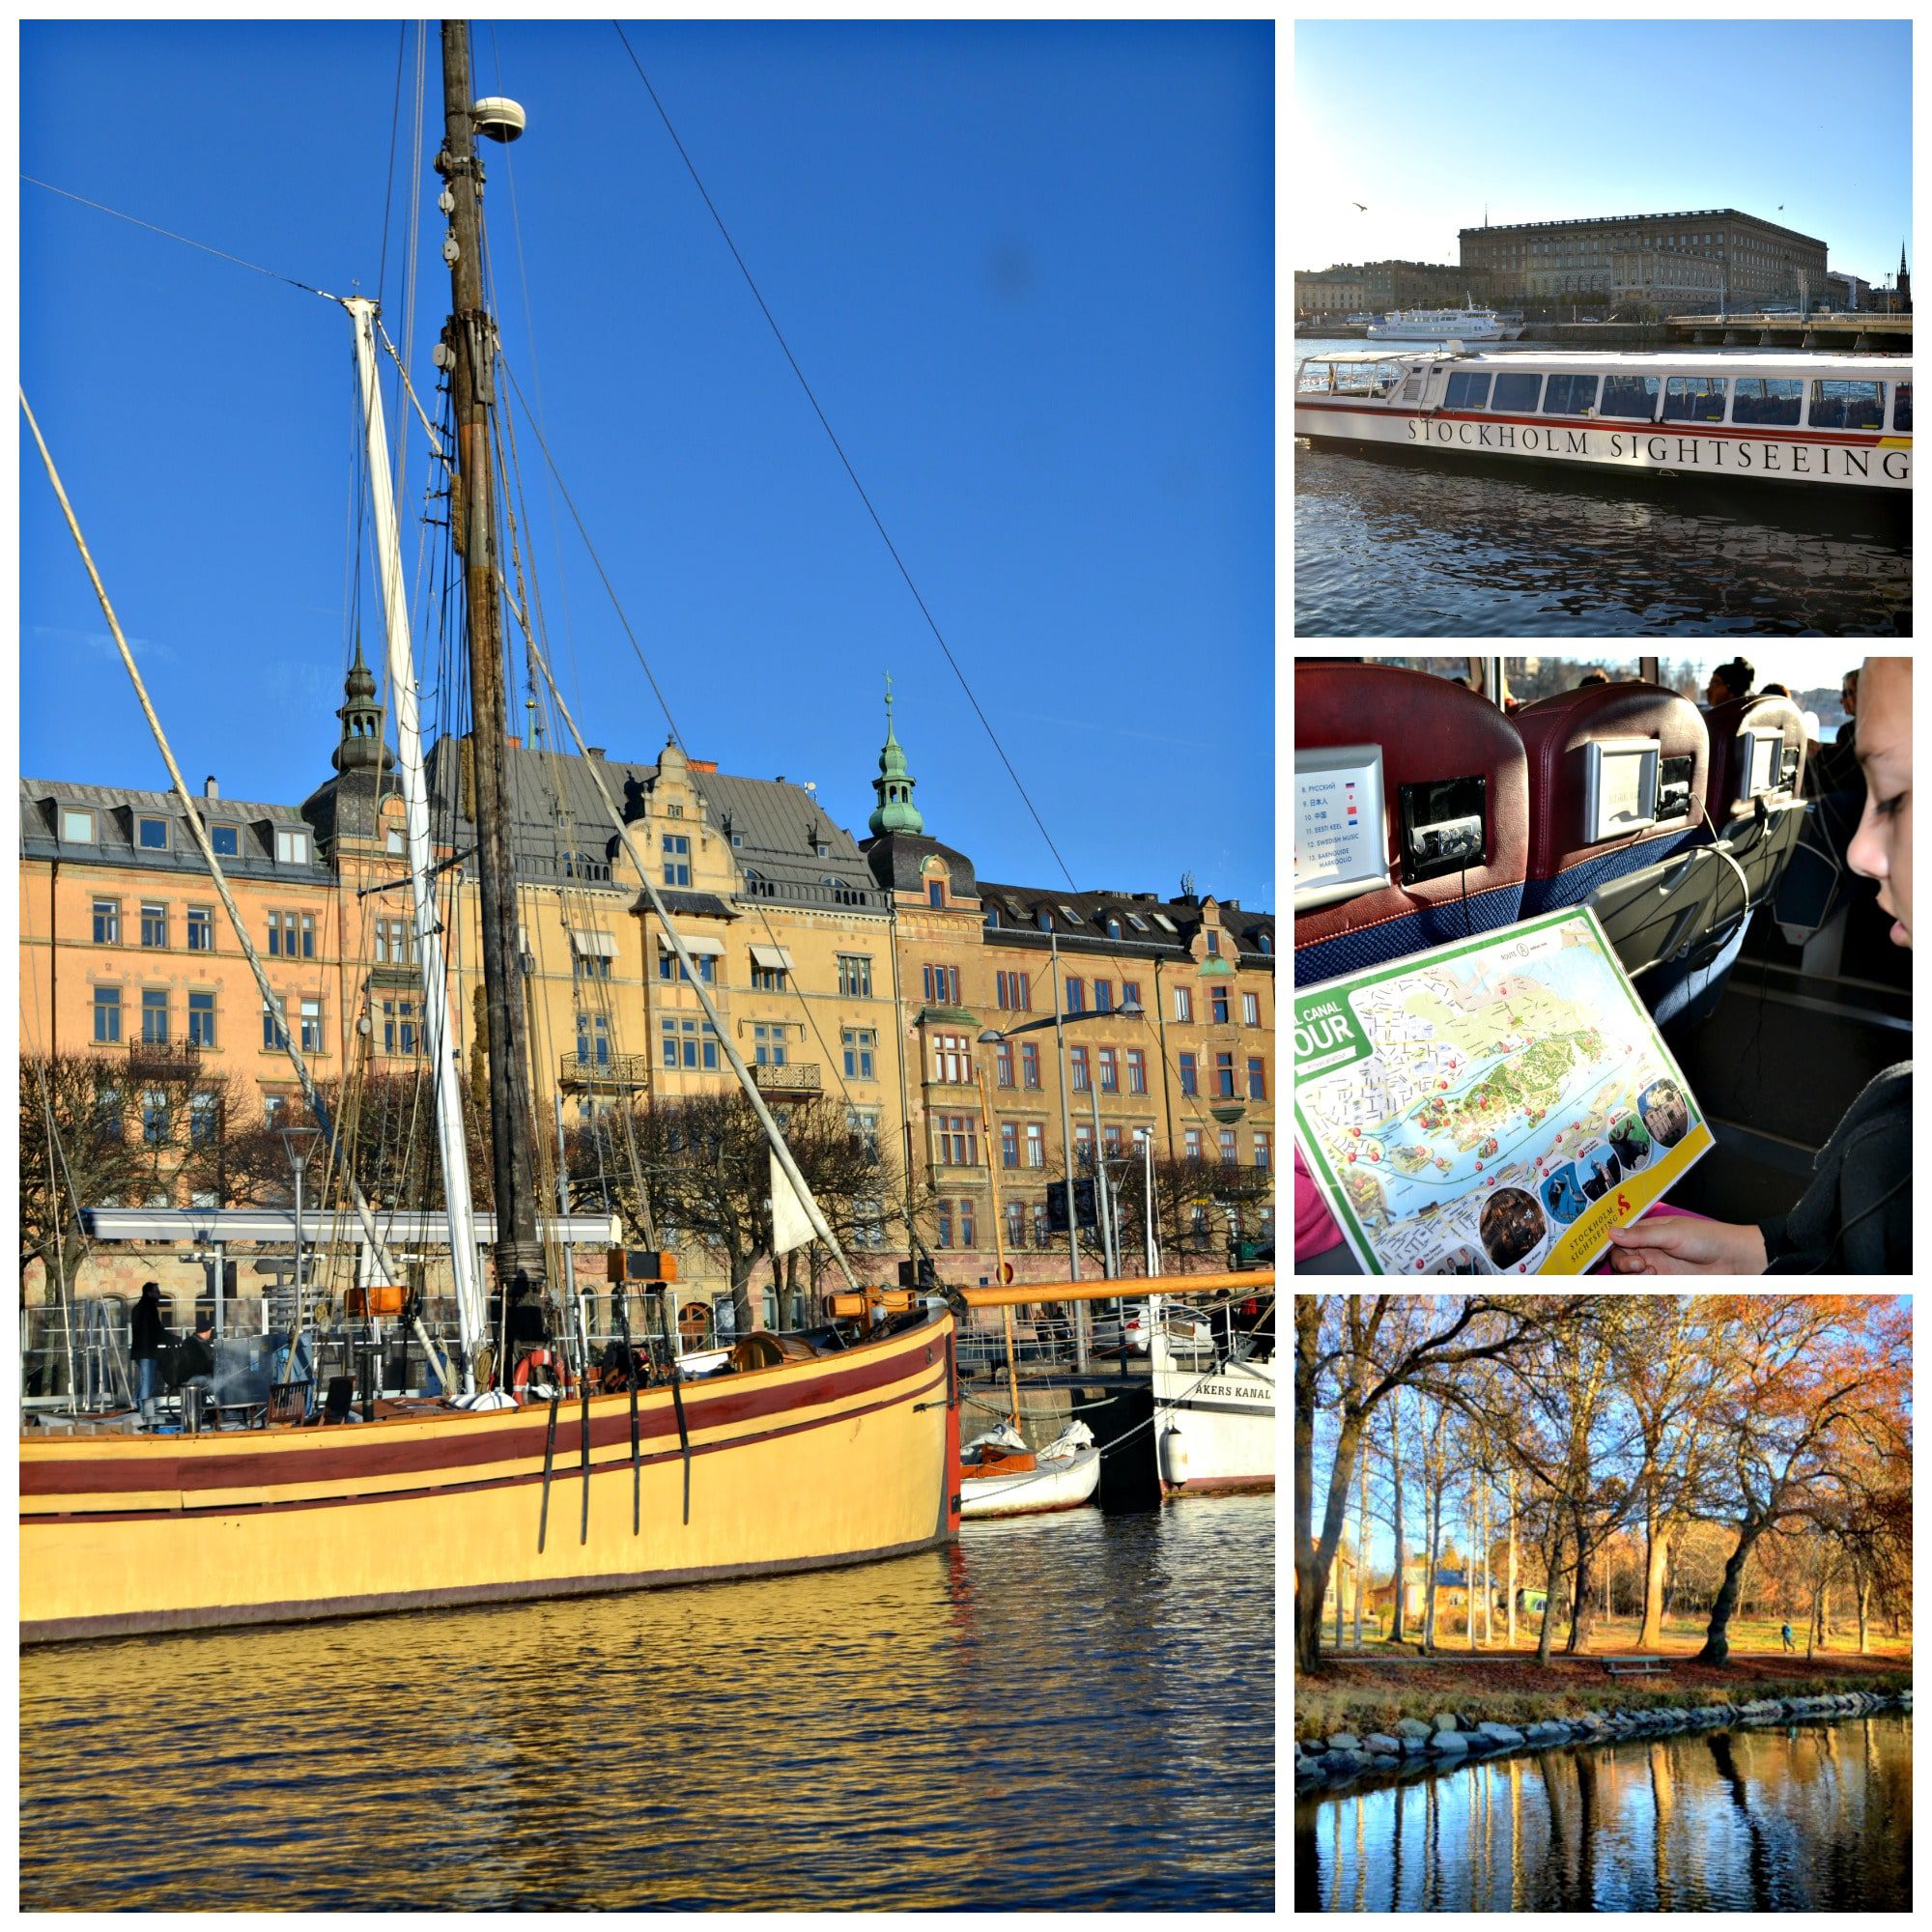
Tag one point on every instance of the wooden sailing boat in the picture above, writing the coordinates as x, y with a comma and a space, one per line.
813, 1461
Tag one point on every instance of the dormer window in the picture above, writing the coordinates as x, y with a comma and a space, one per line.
992, 915
77, 825
226, 840
152, 834
1264, 943
935, 892
1166, 925
1135, 921
1213, 945
1043, 918
1072, 916
1113, 928
290, 845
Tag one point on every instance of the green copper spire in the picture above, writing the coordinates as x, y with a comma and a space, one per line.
895, 812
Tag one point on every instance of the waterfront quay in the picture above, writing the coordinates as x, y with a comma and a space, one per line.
1860, 334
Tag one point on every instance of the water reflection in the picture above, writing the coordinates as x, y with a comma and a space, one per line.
1806, 1818
1067, 1714
1385, 545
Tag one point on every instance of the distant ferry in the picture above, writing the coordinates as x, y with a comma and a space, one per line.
1354, 320
1836, 420
1439, 324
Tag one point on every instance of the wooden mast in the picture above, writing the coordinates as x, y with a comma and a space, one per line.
519, 1252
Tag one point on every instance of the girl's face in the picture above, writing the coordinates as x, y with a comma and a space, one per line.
1881, 848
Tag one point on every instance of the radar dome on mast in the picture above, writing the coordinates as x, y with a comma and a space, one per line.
499, 117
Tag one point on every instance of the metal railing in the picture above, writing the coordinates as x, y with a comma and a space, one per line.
617, 1070
794, 1076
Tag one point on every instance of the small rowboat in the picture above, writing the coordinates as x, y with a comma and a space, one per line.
999, 1475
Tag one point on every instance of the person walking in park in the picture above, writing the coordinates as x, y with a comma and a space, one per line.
1789, 1644
147, 1338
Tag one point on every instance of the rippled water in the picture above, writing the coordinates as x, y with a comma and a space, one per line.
1798, 1818
1389, 546
1071, 1713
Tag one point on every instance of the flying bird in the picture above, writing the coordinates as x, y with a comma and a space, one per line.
1363, 206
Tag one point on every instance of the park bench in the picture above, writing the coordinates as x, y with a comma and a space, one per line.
1635, 1666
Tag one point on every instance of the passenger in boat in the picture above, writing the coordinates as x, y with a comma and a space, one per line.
1596, 674
1730, 680
147, 1337
1855, 1216
195, 1364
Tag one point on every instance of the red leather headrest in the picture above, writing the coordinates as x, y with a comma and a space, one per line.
1724, 722
1428, 728
1555, 731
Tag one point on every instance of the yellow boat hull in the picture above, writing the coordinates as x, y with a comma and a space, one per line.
842, 1459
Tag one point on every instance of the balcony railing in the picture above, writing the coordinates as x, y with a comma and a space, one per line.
795, 1076
155, 1054
615, 1072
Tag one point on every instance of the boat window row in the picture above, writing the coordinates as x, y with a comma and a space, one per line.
1839, 403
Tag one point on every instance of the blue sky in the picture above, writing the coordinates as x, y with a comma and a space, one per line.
1027, 268
1604, 117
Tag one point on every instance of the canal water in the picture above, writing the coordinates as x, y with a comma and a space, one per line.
1805, 1817
1071, 1713
1387, 546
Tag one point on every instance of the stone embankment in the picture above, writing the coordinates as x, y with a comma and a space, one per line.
1416, 1745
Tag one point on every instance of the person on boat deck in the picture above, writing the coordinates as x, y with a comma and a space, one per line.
147, 1338
195, 1364
1730, 680
1855, 1216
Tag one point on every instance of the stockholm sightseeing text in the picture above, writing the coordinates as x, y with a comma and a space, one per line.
1690, 451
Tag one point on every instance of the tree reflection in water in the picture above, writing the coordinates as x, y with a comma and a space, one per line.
1799, 1817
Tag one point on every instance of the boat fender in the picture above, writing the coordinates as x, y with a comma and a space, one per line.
1174, 1458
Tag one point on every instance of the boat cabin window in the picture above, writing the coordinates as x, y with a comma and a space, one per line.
1901, 406
1629, 398
1697, 399
1468, 389
1570, 395
1517, 392
1767, 399
1317, 379
1367, 378
1841, 403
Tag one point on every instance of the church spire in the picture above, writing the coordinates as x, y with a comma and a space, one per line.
895, 812
362, 749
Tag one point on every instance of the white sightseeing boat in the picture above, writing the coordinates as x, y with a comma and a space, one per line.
1843, 421
1213, 1420
1443, 324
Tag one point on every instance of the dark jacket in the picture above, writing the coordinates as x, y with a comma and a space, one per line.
195, 1357
149, 1333
1855, 1216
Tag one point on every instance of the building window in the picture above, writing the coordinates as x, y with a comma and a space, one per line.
956, 1136
153, 833
1076, 1059
274, 1030
677, 857
154, 1125
690, 1044
153, 925
1076, 996
1042, 1233
1218, 1003
1224, 1076
935, 888
671, 967
311, 1026
1136, 1070
1251, 1009
768, 978
1030, 1064
593, 1040
1190, 1143
308, 935
943, 1220
108, 922
1214, 944
1261, 1148
201, 1019
1015, 992
1003, 1063
1113, 927
1110, 1070
1110, 1140
1188, 1081
590, 965
155, 1015
968, 1235
395, 841
201, 928
589, 867
1035, 1145
941, 985
400, 1033
1257, 1078
854, 975
858, 1043
226, 840
1015, 1224
290, 845
1183, 1004
76, 826
1103, 996
1227, 1138
1010, 1144
769, 1045
107, 1015
951, 1061
1083, 1146
204, 1122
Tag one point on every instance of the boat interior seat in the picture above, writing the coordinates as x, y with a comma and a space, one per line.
1454, 814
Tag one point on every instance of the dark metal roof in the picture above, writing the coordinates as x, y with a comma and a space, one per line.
116, 808
1144, 920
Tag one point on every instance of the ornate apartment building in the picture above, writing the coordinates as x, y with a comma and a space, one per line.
866, 971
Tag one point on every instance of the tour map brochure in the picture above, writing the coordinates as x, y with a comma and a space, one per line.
1491, 1106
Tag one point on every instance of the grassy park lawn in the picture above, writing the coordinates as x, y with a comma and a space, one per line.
1369, 1690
